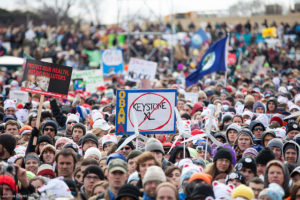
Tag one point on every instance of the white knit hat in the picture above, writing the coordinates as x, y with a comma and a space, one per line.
109, 138
93, 151
56, 187
102, 124
154, 173
73, 117
221, 190
8, 103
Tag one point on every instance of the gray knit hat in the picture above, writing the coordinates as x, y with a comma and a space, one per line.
275, 142
154, 173
154, 145
32, 156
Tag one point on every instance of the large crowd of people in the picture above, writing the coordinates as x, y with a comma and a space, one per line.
250, 152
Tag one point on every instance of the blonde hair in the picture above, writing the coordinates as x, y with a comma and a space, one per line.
169, 185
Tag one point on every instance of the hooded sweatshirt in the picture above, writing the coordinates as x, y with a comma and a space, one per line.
297, 148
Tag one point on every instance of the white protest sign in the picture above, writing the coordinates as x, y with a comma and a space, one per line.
19, 96
92, 78
141, 69
191, 96
154, 110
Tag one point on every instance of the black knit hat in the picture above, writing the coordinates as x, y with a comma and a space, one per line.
264, 156
91, 137
44, 138
235, 175
201, 191
9, 142
50, 123
128, 190
292, 126
223, 152
79, 125
246, 162
122, 140
94, 169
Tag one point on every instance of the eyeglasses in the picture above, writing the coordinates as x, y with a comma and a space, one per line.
126, 148
258, 129
49, 129
92, 178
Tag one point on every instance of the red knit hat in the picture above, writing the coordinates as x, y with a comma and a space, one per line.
8, 180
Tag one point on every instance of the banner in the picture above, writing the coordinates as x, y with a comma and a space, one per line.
141, 69
46, 78
154, 111
19, 96
269, 32
91, 78
111, 62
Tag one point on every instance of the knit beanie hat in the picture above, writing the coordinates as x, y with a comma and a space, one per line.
94, 169
243, 191
47, 147
109, 138
154, 145
258, 104
122, 140
292, 126
280, 132
133, 154
133, 177
45, 169
32, 156
44, 138
276, 142
8, 103
91, 137
223, 152
154, 173
79, 125
25, 129
246, 162
233, 126
274, 191
9, 142
201, 176
73, 117
128, 190
62, 140
202, 191
50, 123
221, 190
264, 156
250, 152
8, 180
93, 151
235, 175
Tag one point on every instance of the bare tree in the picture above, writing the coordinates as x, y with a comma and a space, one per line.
247, 8
93, 7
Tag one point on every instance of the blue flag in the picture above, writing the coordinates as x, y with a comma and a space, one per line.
213, 60
199, 38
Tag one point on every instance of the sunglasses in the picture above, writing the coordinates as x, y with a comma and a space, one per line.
49, 129
126, 148
72, 122
258, 129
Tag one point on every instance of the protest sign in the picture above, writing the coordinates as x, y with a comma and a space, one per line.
46, 78
91, 78
19, 96
154, 110
111, 62
141, 69
191, 96
258, 63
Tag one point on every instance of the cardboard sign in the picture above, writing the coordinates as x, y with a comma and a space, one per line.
154, 110
46, 78
19, 96
141, 69
91, 78
111, 62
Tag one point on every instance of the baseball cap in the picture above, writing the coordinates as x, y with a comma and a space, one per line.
117, 165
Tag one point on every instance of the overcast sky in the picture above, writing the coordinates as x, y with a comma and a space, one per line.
108, 9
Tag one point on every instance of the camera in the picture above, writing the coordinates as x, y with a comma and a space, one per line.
8, 168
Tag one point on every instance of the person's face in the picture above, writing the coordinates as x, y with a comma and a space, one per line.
37, 184
175, 177
98, 190
125, 150
165, 193
291, 134
7, 193
131, 165
69, 125
43, 83
257, 188
195, 89
290, 156
223, 96
267, 139
41, 146
222, 164
102, 164
275, 175
65, 166
89, 181
296, 178
78, 177
107, 146
77, 134
257, 131
236, 182
187, 110
10, 111
12, 129
237, 120
232, 134
244, 142
150, 188
48, 156
247, 173
260, 110
144, 166
157, 155
277, 152
180, 105
32, 165
50, 131
116, 178
26, 136
33, 122
260, 169
271, 106
88, 144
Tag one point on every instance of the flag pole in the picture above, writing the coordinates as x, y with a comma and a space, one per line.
226, 57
